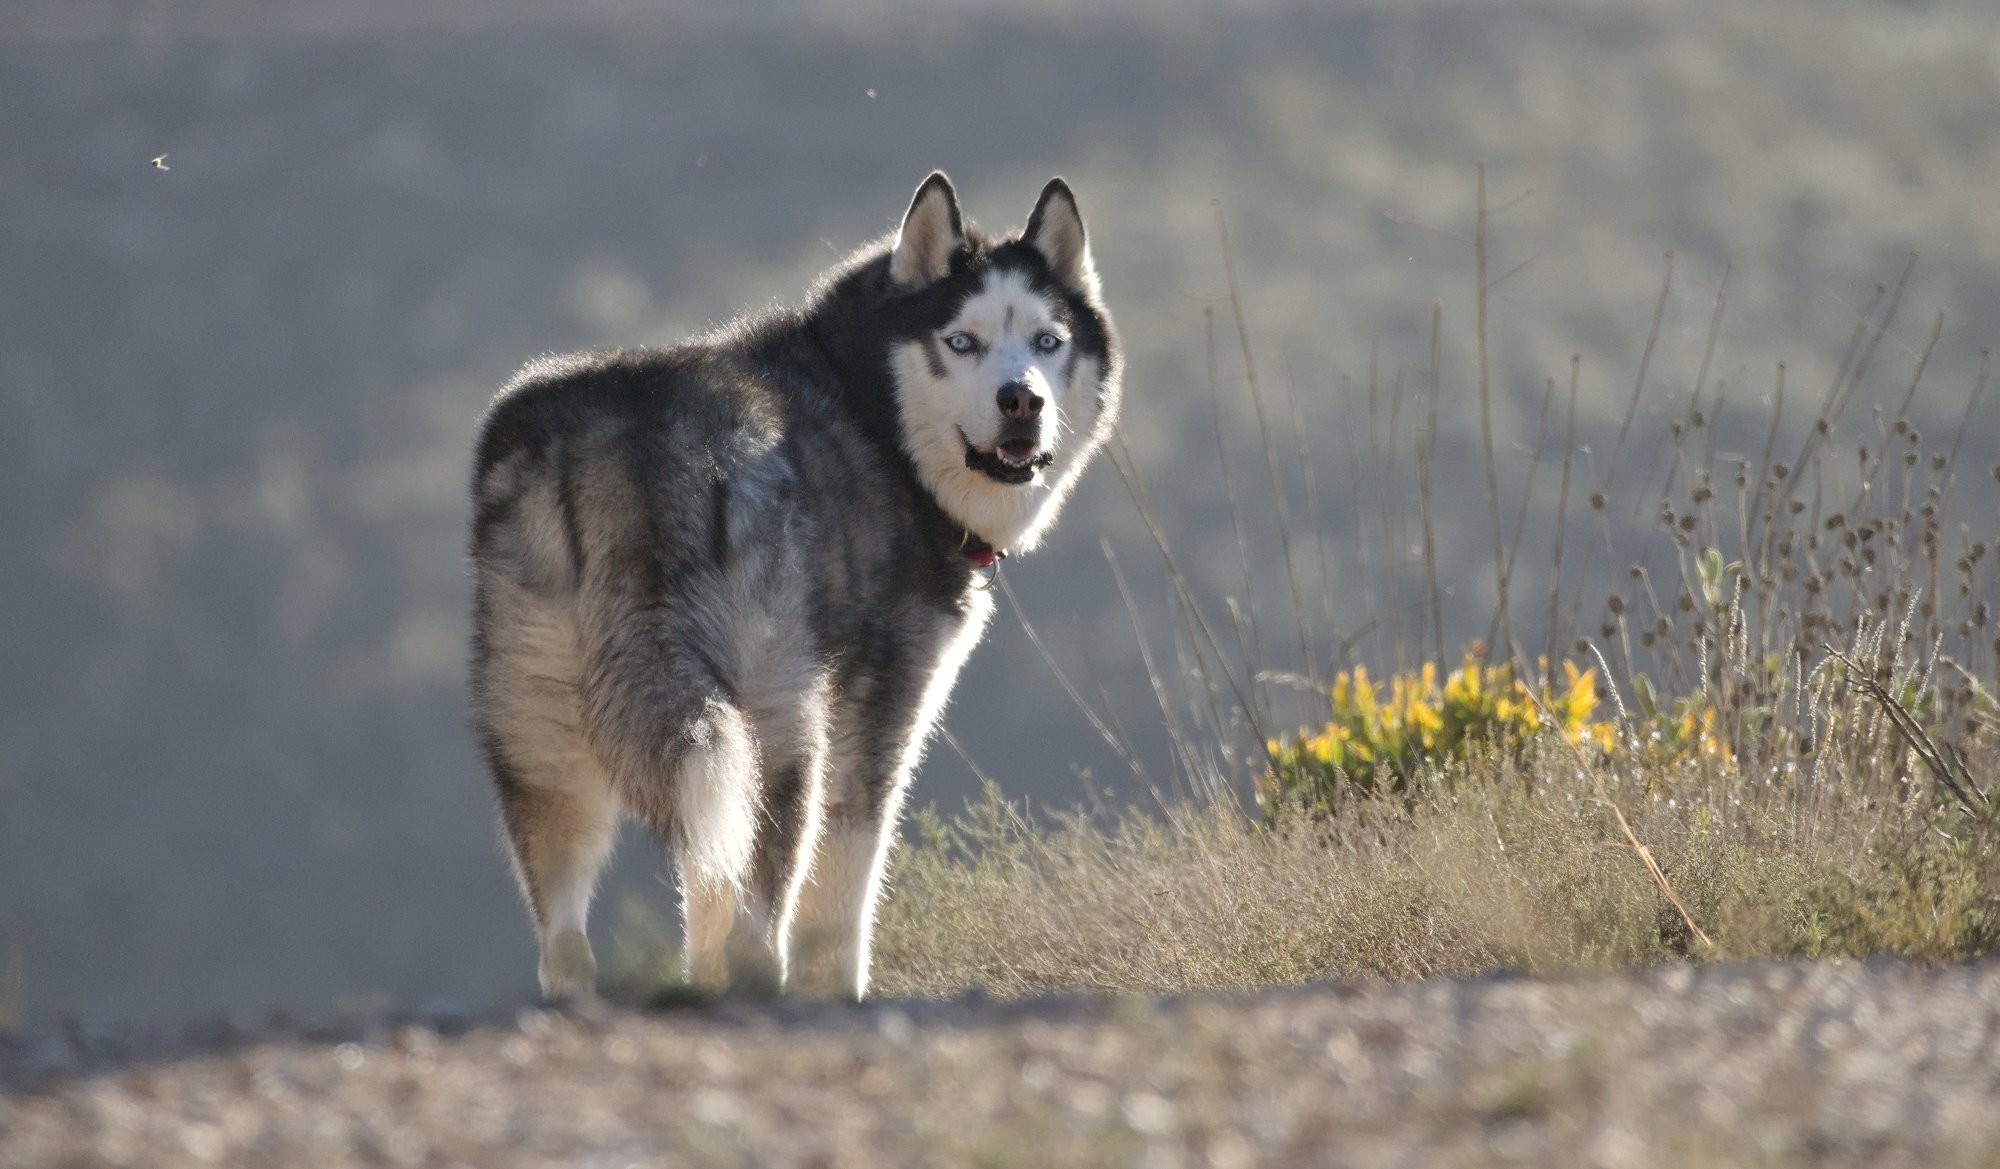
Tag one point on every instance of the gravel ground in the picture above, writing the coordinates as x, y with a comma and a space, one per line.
1883, 1064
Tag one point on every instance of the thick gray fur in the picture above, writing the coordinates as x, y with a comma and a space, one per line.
725, 587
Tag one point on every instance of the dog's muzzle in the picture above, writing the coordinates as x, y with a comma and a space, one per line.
1013, 461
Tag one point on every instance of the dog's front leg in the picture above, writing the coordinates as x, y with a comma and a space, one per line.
836, 908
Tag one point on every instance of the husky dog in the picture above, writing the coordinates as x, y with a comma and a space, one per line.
725, 587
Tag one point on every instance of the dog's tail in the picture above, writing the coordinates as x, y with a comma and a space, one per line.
681, 751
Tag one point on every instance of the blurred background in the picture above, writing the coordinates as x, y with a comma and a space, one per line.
237, 393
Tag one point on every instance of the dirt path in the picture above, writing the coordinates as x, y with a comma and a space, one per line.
1878, 1065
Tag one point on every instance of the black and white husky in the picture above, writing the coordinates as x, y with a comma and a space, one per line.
726, 587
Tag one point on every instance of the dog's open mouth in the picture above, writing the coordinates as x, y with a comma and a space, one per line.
1013, 461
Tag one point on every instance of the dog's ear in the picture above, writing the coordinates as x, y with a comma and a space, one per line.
1056, 231
932, 231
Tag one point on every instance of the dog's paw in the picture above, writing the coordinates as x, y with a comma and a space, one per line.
569, 970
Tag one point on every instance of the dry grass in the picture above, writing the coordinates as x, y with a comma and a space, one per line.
1497, 867
1847, 802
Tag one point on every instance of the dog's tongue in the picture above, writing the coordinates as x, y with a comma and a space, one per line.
1017, 450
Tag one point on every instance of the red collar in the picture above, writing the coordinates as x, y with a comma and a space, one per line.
980, 554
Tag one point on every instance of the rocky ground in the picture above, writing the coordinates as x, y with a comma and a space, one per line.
1883, 1064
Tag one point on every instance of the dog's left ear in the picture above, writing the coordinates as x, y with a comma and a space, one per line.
1056, 231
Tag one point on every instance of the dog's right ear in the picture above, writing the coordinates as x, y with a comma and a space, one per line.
932, 231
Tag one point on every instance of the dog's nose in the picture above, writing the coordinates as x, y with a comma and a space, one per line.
1019, 402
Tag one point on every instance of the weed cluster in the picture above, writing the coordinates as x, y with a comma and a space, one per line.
1380, 737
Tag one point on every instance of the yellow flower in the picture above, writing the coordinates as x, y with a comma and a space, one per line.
1580, 699
1462, 687
1428, 722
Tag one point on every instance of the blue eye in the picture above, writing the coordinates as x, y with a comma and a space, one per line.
1048, 342
960, 343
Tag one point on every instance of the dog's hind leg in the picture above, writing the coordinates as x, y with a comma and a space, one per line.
788, 833
561, 836
556, 802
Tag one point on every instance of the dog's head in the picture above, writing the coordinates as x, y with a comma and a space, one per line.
1003, 359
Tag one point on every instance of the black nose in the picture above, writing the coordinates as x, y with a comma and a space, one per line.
1019, 402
